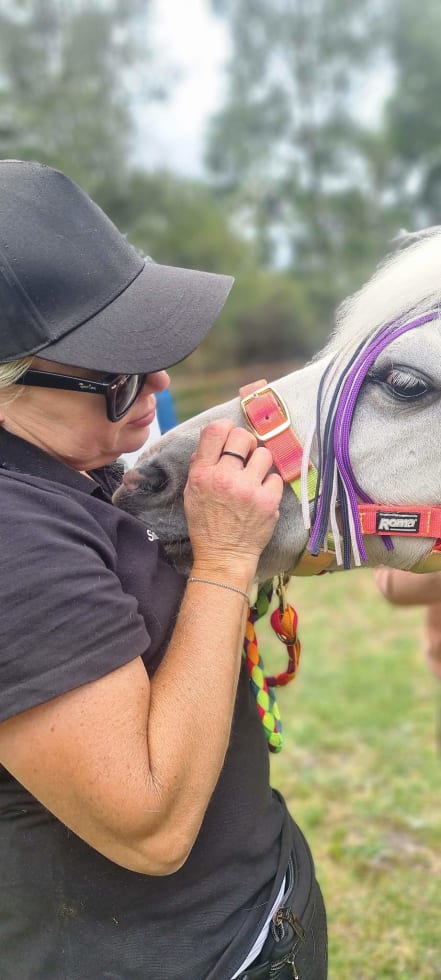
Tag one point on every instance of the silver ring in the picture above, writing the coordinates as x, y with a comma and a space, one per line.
226, 452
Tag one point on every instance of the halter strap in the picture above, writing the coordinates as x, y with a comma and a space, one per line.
268, 416
407, 521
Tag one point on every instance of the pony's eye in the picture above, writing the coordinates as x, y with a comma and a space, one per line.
403, 383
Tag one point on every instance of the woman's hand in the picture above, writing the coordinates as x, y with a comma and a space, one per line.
231, 503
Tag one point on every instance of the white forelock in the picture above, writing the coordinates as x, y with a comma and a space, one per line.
407, 283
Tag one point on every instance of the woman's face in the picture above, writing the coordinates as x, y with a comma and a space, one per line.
73, 425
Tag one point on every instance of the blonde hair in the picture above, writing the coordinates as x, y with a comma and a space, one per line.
10, 373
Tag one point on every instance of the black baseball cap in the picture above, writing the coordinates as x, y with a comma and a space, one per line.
73, 290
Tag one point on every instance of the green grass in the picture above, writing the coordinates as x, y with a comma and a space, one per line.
360, 770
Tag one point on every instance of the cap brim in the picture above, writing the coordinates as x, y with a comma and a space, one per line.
160, 318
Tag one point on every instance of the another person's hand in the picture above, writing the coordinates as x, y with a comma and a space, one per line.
432, 638
408, 589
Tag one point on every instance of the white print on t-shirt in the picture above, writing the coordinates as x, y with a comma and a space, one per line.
151, 535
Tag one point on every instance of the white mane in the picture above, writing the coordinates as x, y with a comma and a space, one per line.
406, 283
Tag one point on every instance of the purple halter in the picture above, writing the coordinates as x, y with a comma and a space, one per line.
336, 452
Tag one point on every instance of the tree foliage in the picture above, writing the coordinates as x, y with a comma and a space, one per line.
64, 92
177, 219
289, 141
412, 121
172, 216
327, 144
322, 179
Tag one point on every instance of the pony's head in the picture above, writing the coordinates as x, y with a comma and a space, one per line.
367, 412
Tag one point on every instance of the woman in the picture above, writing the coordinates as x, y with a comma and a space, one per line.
139, 836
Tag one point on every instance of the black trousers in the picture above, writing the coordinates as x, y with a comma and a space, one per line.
297, 943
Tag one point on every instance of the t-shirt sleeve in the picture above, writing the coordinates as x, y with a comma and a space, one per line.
65, 618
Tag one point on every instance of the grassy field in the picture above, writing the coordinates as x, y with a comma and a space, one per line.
361, 772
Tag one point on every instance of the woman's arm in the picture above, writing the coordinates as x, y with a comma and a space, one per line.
130, 765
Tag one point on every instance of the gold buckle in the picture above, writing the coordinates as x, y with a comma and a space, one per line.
263, 437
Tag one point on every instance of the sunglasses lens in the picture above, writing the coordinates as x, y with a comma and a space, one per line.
127, 392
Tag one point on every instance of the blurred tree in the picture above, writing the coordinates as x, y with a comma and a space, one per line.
412, 113
309, 179
68, 71
177, 219
268, 313
65, 84
297, 147
271, 318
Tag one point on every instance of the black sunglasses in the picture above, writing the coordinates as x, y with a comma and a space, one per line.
119, 390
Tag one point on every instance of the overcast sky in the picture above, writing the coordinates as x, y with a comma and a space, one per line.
196, 44
192, 41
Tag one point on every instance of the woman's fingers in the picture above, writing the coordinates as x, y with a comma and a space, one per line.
223, 437
234, 449
232, 498
260, 463
238, 446
211, 441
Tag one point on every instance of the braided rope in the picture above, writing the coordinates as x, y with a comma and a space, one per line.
284, 623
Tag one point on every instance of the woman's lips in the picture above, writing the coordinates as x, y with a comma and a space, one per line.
145, 419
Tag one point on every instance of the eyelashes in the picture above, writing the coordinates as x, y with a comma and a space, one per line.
403, 383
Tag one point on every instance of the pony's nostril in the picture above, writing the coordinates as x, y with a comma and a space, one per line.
152, 478
132, 479
149, 478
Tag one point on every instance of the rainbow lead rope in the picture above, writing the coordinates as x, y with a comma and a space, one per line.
284, 623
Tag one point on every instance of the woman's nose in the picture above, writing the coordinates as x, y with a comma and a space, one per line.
157, 380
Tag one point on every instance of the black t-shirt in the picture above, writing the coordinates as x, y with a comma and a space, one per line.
84, 589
